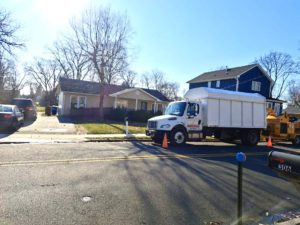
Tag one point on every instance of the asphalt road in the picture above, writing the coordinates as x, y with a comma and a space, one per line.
136, 183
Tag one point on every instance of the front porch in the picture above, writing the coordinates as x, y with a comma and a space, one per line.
137, 99
137, 104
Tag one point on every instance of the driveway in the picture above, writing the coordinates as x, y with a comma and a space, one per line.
48, 124
44, 125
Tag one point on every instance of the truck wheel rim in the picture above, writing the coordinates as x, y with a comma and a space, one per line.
179, 137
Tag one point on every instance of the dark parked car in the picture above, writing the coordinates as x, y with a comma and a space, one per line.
11, 117
26, 105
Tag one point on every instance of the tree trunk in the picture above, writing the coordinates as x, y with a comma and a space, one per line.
101, 101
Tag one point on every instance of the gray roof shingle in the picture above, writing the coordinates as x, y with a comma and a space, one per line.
88, 87
79, 86
223, 74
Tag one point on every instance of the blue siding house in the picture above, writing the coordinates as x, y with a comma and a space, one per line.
250, 78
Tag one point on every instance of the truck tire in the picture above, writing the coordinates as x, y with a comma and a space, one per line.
296, 141
250, 137
178, 136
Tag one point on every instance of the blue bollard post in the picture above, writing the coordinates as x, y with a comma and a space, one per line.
240, 157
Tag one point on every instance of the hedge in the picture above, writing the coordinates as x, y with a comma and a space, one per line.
117, 114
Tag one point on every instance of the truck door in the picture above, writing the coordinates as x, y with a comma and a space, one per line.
194, 122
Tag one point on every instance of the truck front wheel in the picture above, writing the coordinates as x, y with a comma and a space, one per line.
250, 137
178, 136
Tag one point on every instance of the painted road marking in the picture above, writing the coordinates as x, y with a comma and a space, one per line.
123, 158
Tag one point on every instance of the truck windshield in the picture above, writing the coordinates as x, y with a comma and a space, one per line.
176, 109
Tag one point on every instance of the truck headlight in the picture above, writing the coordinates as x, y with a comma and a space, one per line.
165, 126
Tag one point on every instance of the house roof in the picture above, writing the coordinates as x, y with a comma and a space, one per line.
275, 100
78, 86
291, 109
224, 74
93, 88
157, 94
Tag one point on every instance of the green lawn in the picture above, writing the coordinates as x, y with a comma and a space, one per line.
40, 109
112, 128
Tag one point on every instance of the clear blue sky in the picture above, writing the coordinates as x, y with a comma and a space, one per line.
181, 38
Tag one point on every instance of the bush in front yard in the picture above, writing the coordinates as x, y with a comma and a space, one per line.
141, 115
117, 114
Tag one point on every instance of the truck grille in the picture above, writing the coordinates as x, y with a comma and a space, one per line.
152, 124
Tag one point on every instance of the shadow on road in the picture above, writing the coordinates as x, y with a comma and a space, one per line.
204, 179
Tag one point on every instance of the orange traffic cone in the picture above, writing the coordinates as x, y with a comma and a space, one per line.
270, 142
165, 141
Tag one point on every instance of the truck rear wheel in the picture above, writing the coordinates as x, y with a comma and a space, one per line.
250, 137
296, 141
178, 136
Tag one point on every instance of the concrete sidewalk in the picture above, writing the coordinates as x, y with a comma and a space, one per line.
65, 138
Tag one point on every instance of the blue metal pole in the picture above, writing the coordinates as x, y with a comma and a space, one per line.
240, 157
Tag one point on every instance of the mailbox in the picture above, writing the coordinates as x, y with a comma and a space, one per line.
285, 164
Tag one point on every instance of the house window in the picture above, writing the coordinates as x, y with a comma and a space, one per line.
255, 86
277, 108
218, 84
269, 105
78, 102
209, 84
81, 102
143, 105
122, 103
73, 102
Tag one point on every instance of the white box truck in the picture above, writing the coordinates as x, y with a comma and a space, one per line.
226, 115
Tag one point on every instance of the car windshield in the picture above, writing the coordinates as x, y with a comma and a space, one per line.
22, 102
5, 109
176, 109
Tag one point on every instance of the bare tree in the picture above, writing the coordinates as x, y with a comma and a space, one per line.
294, 92
15, 84
46, 73
170, 90
8, 37
103, 36
128, 78
71, 58
156, 80
280, 67
5, 69
11, 82
9, 78
146, 80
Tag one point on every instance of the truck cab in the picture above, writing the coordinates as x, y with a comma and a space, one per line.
180, 121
